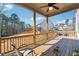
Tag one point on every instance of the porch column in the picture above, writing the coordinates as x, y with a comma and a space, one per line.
47, 27
77, 23
34, 29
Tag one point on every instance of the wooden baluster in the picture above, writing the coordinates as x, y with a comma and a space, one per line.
10, 45
0, 45
25, 42
7, 45
22, 42
12, 41
4, 45
18, 42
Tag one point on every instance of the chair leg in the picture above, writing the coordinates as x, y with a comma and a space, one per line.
32, 53
35, 53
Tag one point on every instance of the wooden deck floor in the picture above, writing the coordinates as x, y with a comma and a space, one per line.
66, 46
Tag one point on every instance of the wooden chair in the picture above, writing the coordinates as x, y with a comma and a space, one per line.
2, 54
24, 52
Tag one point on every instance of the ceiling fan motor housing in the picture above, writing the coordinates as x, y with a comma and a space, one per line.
50, 4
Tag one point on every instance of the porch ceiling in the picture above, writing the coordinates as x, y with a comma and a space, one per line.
63, 7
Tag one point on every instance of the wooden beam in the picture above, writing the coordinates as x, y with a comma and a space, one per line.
34, 29
47, 27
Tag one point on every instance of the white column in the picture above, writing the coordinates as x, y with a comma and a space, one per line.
77, 22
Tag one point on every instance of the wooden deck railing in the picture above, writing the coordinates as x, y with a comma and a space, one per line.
19, 41
22, 40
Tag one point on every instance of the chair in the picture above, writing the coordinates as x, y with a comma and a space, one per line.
23, 52
2, 54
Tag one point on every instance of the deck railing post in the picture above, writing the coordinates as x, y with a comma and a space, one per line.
47, 27
34, 29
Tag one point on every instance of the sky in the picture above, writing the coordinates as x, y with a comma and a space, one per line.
62, 17
26, 15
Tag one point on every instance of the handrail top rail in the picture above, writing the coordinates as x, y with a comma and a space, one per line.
23, 35
27, 35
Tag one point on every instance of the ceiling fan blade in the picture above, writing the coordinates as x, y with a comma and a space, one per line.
55, 7
47, 9
53, 3
43, 6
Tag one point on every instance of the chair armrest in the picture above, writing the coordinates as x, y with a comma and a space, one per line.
26, 52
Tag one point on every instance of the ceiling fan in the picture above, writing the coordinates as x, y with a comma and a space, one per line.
50, 6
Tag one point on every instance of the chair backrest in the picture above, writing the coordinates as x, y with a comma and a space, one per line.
16, 50
2, 54
14, 47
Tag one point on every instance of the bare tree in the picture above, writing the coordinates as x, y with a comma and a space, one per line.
1, 10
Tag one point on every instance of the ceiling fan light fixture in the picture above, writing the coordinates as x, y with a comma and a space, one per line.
50, 8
